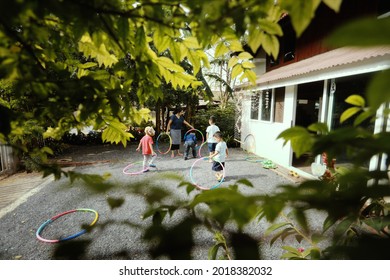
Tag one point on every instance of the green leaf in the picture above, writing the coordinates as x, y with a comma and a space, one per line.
321, 128
221, 49
235, 46
232, 62
289, 256
115, 132
315, 254
301, 139
194, 59
161, 41
291, 249
248, 64
213, 251
87, 65
271, 45
378, 91
251, 75
245, 55
364, 116
115, 202
349, 113
237, 70
300, 217
362, 32
299, 238
301, 12
47, 150
277, 235
344, 226
356, 100
333, 4
270, 27
165, 62
175, 51
245, 182
255, 38
99, 51
283, 234
275, 227
316, 238
228, 204
191, 43
95, 182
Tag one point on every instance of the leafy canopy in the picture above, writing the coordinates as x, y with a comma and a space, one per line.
77, 63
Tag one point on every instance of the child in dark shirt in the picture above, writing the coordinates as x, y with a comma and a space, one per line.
189, 143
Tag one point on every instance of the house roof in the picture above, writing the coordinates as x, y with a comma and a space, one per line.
337, 59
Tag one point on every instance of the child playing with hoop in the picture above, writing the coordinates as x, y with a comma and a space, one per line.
189, 143
219, 155
146, 143
210, 131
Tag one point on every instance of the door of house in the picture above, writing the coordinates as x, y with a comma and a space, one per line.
308, 110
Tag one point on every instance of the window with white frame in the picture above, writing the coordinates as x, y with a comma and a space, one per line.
255, 101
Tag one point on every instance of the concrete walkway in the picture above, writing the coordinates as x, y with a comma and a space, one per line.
17, 188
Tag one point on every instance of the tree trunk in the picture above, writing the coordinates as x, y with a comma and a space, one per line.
158, 117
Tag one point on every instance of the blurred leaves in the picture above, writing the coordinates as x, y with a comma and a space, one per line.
300, 138
362, 32
228, 204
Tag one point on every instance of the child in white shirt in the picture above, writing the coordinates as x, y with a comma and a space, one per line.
210, 131
219, 155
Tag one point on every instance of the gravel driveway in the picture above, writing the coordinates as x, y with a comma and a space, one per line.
118, 232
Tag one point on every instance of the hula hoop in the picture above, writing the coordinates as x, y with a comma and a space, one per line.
250, 152
199, 148
40, 229
170, 143
133, 173
202, 187
254, 159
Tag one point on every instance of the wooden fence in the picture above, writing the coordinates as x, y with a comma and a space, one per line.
7, 160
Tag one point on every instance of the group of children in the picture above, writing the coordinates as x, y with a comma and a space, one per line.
217, 147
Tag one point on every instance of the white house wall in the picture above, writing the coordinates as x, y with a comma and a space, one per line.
266, 133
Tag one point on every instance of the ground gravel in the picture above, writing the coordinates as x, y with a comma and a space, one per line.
119, 231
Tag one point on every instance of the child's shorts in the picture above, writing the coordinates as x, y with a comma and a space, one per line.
217, 166
211, 147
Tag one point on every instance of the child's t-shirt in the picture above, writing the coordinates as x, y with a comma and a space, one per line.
146, 141
190, 137
221, 149
211, 130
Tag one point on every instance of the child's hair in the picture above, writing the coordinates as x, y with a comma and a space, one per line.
218, 134
177, 110
149, 130
212, 119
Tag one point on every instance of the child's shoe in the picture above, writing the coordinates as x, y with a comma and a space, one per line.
185, 158
146, 170
152, 165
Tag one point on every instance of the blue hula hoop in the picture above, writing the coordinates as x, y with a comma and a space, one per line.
202, 187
